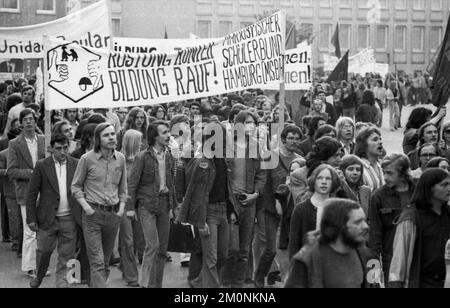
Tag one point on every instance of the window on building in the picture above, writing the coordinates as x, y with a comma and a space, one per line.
225, 28
116, 6
363, 37
382, 38
306, 3
363, 4
116, 27
383, 4
9, 5
400, 38
418, 39
46, 6
204, 28
419, 4
325, 3
436, 5
345, 3
435, 38
345, 36
400, 4
325, 36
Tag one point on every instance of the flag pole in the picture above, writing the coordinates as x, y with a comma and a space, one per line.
47, 120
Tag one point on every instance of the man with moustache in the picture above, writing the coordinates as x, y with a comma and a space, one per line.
100, 187
337, 258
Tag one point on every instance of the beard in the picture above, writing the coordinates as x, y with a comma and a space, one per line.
350, 240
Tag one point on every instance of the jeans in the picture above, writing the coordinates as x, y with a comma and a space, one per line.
29, 244
63, 233
100, 231
82, 256
214, 245
14, 217
156, 229
394, 113
127, 257
259, 239
265, 263
236, 266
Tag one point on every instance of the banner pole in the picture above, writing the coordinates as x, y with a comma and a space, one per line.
47, 120
282, 97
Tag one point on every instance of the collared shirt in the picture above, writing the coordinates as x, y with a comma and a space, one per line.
32, 145
348, 148
373, 175
61, 176
101, 180
161, 157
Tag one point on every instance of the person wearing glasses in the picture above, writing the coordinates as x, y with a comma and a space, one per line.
426, 153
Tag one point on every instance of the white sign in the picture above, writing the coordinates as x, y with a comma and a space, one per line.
88, 27
355, 64
298, 69
139, 45
83, 77
298, 65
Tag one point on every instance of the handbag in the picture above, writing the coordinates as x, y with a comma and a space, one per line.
181, 238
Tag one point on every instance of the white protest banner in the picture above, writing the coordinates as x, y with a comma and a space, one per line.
355, 64
89, 27
298, 69
102, 78
139, 45
298, 64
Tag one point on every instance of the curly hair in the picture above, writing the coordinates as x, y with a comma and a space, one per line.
323, 150
130, 121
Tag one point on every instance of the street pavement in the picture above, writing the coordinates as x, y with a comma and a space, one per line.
175, 275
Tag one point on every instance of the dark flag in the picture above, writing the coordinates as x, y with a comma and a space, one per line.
340, 73
166, 36
336, 43
431, 68
441, 79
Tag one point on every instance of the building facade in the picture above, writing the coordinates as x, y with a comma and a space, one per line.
16, 13
404, 33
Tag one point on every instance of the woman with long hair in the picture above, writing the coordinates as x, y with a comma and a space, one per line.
422, 233
130, 227
137, 120
306, 217
327, 150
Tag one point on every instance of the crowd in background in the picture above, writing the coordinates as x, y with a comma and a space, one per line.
336, 196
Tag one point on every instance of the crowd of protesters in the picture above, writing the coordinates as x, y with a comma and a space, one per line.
336, 210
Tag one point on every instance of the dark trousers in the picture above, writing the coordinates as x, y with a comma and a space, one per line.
195, 263
4, 218
214, 245
82, 256
235, 270
62, 234
128, 262
156, 229
100, 231
14, 219
271, 227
